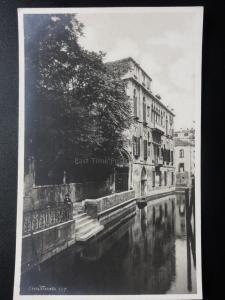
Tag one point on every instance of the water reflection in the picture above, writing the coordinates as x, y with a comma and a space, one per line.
151, 253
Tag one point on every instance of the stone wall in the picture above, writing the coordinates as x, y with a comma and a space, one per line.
136, 178
41, 196
42, 245
96, 206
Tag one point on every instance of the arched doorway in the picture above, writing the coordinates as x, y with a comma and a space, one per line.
122, 173
143, 181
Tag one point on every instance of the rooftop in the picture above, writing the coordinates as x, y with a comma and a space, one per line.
182, 143
122, 62
126, 59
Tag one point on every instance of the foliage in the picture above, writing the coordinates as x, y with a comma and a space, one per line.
75, 106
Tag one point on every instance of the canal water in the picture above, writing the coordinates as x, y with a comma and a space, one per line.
152, 252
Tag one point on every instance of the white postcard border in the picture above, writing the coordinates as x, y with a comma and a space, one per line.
199, 21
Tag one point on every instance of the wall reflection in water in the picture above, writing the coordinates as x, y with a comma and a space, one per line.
152, 253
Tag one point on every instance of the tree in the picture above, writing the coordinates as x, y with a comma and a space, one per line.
75, 106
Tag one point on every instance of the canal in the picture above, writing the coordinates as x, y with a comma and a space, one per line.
152, 252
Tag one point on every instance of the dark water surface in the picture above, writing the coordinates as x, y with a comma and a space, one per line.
151, 253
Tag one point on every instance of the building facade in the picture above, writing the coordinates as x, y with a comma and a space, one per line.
149, 144
184, 156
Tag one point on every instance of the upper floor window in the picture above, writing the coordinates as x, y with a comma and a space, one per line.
145, 150
166, 125
181, 153
136, 146
152, 114
144, 110
148, 111
144, 79
135, 102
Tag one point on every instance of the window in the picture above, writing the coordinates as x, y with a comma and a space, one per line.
144, 110
181, 167
145, 150
135, 103
181, 153
166, 125
143, 80
136, 146
152, 115
148, 111
172, 178
186, 134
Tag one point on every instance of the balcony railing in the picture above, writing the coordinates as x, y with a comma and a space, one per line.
39, 219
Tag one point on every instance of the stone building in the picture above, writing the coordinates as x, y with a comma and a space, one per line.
149, 145
184, 155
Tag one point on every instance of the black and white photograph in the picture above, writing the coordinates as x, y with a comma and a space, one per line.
109, 199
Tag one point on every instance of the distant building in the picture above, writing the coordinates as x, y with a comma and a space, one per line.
149, 145
184, 155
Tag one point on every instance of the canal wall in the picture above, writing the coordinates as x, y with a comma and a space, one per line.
42, 196
39, 246
112, 208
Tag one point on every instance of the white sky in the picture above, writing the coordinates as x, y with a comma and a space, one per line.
164, 44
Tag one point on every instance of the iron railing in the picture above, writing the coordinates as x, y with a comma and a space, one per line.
39, 219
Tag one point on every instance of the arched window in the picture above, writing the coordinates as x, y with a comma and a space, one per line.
181, 153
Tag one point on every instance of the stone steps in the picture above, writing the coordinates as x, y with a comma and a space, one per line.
84, 224
83, 237
83, 219
77, 216
86, 227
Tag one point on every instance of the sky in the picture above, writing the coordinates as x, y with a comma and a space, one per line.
164, 44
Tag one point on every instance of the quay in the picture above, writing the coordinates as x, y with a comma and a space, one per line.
94, 217
47, 232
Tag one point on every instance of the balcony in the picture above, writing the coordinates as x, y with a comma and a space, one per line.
158, 129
